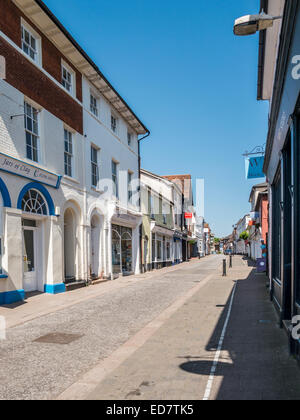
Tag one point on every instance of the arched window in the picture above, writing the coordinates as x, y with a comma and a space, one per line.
34, 202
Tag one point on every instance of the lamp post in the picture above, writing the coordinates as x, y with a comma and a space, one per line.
250, 24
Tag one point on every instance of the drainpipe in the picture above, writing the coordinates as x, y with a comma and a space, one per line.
140, 204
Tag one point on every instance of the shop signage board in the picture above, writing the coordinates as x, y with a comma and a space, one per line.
25, 170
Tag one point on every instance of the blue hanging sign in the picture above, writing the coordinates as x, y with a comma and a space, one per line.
254, 167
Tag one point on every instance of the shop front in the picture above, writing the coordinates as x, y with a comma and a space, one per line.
29, 231
162, 246
122, 258
177, 248
125, 247
281, 167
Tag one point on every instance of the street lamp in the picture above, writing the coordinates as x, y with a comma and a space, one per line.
250, 24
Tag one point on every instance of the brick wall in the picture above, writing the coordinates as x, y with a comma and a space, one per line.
10, 25
10, 21
29, 80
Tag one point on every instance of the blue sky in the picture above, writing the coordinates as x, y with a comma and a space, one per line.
189, 80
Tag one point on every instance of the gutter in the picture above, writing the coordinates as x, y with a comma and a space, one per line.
54, 19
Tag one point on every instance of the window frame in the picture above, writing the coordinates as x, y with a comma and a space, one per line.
68, 154
129, 138
129, 185
114, 123
94, 167
70, 71
115, 178
94, 108
33, 34
30, 132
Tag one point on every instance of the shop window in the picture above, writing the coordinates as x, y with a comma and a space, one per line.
34, 203
153, 247
121, 249
158, 250
168, 251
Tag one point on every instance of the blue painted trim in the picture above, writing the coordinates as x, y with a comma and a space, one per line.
3, 276
54, 289
27, 177
5, 194
58, 182
7, 298
41, 189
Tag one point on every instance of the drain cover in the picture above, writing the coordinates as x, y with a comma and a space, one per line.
58, 338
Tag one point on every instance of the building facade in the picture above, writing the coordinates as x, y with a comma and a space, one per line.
69, 161
279, 83
241, 245
159, 226
258, 224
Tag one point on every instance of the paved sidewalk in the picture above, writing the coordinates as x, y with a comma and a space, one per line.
41, 304
177, 361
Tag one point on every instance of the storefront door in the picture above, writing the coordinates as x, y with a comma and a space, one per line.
121, 249
29, 259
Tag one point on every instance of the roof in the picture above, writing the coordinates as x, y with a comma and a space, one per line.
48, 23
263, 188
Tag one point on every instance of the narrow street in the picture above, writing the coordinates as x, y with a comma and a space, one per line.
32, 370
156, 338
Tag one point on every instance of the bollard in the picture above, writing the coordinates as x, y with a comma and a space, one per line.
224, 268
230, 261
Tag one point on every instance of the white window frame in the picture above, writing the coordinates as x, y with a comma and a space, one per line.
69, 153
94, 104
34, 135
129, 138
32, 33
129, 182
115, 177
114, 123
67, 68
95, 165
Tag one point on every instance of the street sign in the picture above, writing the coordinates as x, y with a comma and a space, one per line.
188, 215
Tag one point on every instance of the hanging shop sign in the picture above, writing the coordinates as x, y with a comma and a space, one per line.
254, 167
16, 167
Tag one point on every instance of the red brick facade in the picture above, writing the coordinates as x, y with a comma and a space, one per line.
28, 79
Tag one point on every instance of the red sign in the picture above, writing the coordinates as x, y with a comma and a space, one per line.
188, 215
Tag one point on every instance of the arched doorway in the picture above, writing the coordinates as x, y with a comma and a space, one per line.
33, 205
70, 245
122, 249
95, 246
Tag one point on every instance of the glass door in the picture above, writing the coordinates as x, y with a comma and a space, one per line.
29, 260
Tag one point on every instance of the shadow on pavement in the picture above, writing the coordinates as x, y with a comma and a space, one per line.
259, 365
